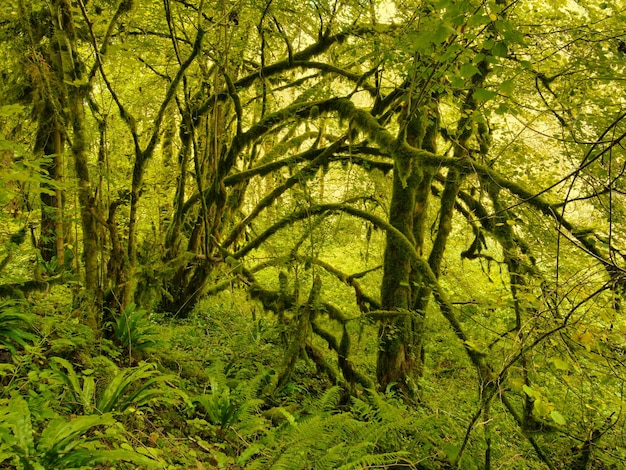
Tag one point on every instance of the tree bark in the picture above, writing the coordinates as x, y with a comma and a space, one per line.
399, 352
72, 71
49, 143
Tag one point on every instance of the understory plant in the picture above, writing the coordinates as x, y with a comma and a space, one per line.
366, 434
224, 408
14, 326
133, 331
76, 443
230, 410
135, 386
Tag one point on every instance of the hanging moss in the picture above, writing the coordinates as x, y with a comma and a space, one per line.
366, 123
404, 165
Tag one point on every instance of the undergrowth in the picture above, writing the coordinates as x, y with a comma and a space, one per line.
203, 393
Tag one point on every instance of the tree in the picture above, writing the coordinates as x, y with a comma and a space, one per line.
42, 68
264, 143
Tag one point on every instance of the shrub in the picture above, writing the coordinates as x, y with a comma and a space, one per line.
62, 444
132, 330
14, 326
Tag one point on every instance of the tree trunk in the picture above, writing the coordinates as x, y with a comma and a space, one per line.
396, 356
72, 73
49, 143
399, 351
90, 232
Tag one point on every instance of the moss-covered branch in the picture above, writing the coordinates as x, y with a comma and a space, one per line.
344, 155
364, 301
332, 69
429, 277
300, 176
294, 61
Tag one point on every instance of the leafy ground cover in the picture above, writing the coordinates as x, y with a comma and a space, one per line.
207, 395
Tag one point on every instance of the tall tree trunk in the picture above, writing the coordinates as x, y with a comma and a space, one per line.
49, 143
204, 143
399, 351
44, 70
90, 231
72, 72
396, 355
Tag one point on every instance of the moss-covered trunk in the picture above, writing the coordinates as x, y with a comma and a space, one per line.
73, 73
396, 355
399, 359
49, 144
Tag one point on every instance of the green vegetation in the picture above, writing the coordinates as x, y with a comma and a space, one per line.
327, 234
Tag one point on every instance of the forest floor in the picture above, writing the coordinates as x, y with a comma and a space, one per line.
202, 393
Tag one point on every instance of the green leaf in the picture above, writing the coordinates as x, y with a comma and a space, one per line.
557, 418
17, 418
531, 392
484, 95
250, 452
441, 34
8, 110
457, 82
542, 408
559, 363
451, 451
111, 397
88, 393
477, 20
70, 378
500, 49
80, 458
488, 44
60, 436
6, 455
526, 64
468, 70
507, 87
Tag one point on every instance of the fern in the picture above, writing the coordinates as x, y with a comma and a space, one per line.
377, 461
136, 386
133, 331
329, 401
61, 444
369, 434
227, 408
14, 326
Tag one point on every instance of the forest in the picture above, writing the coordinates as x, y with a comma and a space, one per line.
330, 234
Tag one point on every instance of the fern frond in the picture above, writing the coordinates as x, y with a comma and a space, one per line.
329, 400
376, 461
367, 435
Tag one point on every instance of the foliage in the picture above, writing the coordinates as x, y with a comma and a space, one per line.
232, 410
133, 331
220, 408
426, 198
64, 334
14, 325
133, 387
363, 435
60, 444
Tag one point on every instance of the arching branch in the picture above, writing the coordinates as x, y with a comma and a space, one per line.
298, 177
476, 357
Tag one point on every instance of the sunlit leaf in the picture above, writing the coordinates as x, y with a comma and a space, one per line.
500, 49
482, 94
557, 418
468, 70
542, 408
560, 363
